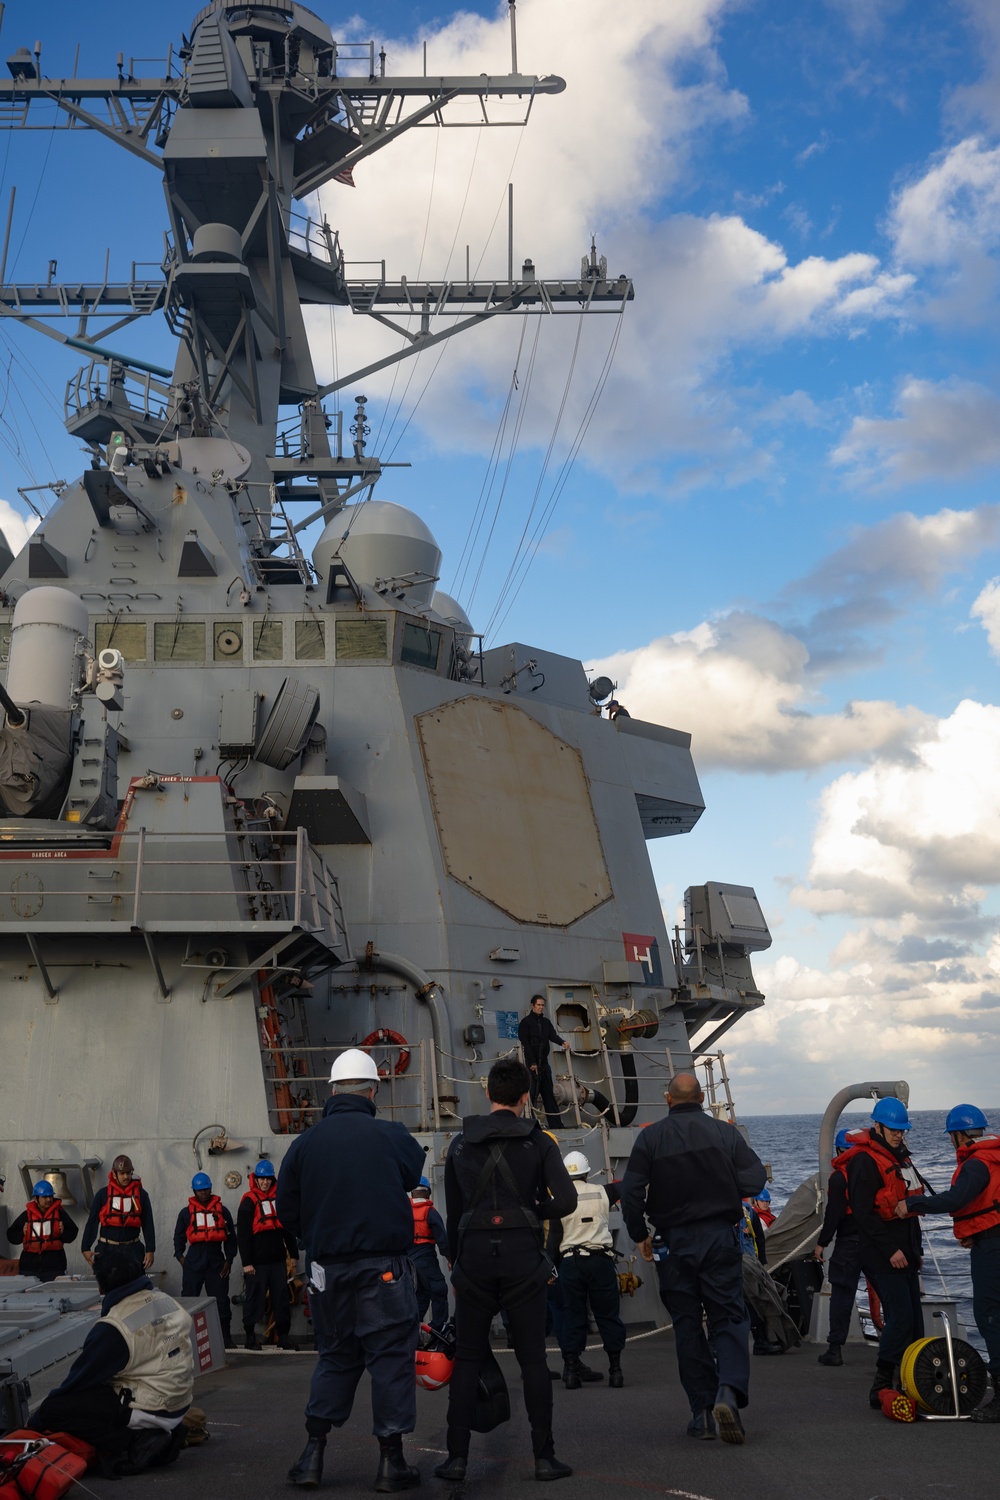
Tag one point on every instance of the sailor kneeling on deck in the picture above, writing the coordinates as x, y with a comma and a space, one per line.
132, 1382
583, 1248
343, 1190
687, 1176
973, 1200
42, 1231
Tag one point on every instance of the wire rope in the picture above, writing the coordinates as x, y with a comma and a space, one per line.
559, 486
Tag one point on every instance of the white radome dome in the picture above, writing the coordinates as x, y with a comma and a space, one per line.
383, 541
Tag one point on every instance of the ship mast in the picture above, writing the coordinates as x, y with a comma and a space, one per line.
255, 113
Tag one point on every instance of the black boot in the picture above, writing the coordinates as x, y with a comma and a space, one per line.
308, 1472
547, 1466
883, 1380
615, 1377
726, 1413
394, 1473
832, 1356
571, 1372
251, 1341
453, 1468
702, 1425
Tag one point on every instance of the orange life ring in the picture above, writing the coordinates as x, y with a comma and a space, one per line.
384, 1035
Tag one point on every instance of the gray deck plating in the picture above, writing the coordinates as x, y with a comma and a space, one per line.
810, 1432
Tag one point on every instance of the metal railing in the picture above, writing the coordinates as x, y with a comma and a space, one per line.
163, 882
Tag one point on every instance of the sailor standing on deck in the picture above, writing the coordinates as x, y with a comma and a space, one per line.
42, 1231
503, 1176
844, 1266
429, 1237
881, 1175
205, 1247
265, 1245
121, 1215
584, 1246
687, 1175
973, 1200
344, 1189
536, 1032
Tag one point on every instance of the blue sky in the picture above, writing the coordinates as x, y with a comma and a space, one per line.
786, 501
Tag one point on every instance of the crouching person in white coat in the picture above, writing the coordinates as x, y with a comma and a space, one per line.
132, 1382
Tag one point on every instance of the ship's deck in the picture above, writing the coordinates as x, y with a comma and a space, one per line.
810, 1431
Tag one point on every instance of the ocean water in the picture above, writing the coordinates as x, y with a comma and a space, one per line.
790, 1145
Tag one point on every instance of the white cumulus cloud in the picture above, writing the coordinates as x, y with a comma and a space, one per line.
919, 835
986, 607
742, 681
941, 430
704, 285
16, 527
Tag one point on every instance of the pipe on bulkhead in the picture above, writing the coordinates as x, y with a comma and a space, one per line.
429, 990
828, 1129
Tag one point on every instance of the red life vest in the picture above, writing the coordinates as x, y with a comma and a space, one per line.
205, 1222
44, 1229
265, 1215
421, 1209
123, 1206
894, 1185
983, 1212
766, 1217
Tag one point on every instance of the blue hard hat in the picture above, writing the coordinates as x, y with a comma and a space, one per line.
424, 1182
264, 1169
42, 1190
966, 1117
891, 1112
763, 1196
841, 1142
200, 1181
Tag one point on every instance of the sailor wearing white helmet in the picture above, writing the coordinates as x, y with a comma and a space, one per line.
344, 1190
583, 1244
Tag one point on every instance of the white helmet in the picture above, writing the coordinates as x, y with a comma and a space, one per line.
354, 1064
576, 1164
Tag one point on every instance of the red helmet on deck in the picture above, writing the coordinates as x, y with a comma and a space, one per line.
434, 1368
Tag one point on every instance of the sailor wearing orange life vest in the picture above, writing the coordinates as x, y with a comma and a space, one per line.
880, 1175
42, 1231
973, 1200
205, 1247
429, 1236
121, 1215
264, 1244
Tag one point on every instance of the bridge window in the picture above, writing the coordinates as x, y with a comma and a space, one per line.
268, 640
362, 640
126, 636
310, 640
179, 640
420, 647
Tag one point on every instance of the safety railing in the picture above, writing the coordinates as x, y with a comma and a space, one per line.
269, 882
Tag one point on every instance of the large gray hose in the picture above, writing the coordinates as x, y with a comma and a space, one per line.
835, 1108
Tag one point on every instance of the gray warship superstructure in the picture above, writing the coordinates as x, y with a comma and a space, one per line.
258, 806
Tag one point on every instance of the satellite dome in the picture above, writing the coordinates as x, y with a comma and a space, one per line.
384, 542
451, 612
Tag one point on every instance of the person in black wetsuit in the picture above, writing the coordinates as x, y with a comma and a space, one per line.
973, 1200
686, 1176
843, 1269
503, 1176
536, 1032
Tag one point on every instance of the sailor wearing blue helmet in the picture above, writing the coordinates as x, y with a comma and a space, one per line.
881, 1175
973, 1200
42, 1231
205, 1248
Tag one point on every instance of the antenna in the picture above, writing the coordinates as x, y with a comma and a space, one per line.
510, 232
6, 237
513, 35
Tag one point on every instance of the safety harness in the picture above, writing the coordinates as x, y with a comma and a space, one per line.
496, 1164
